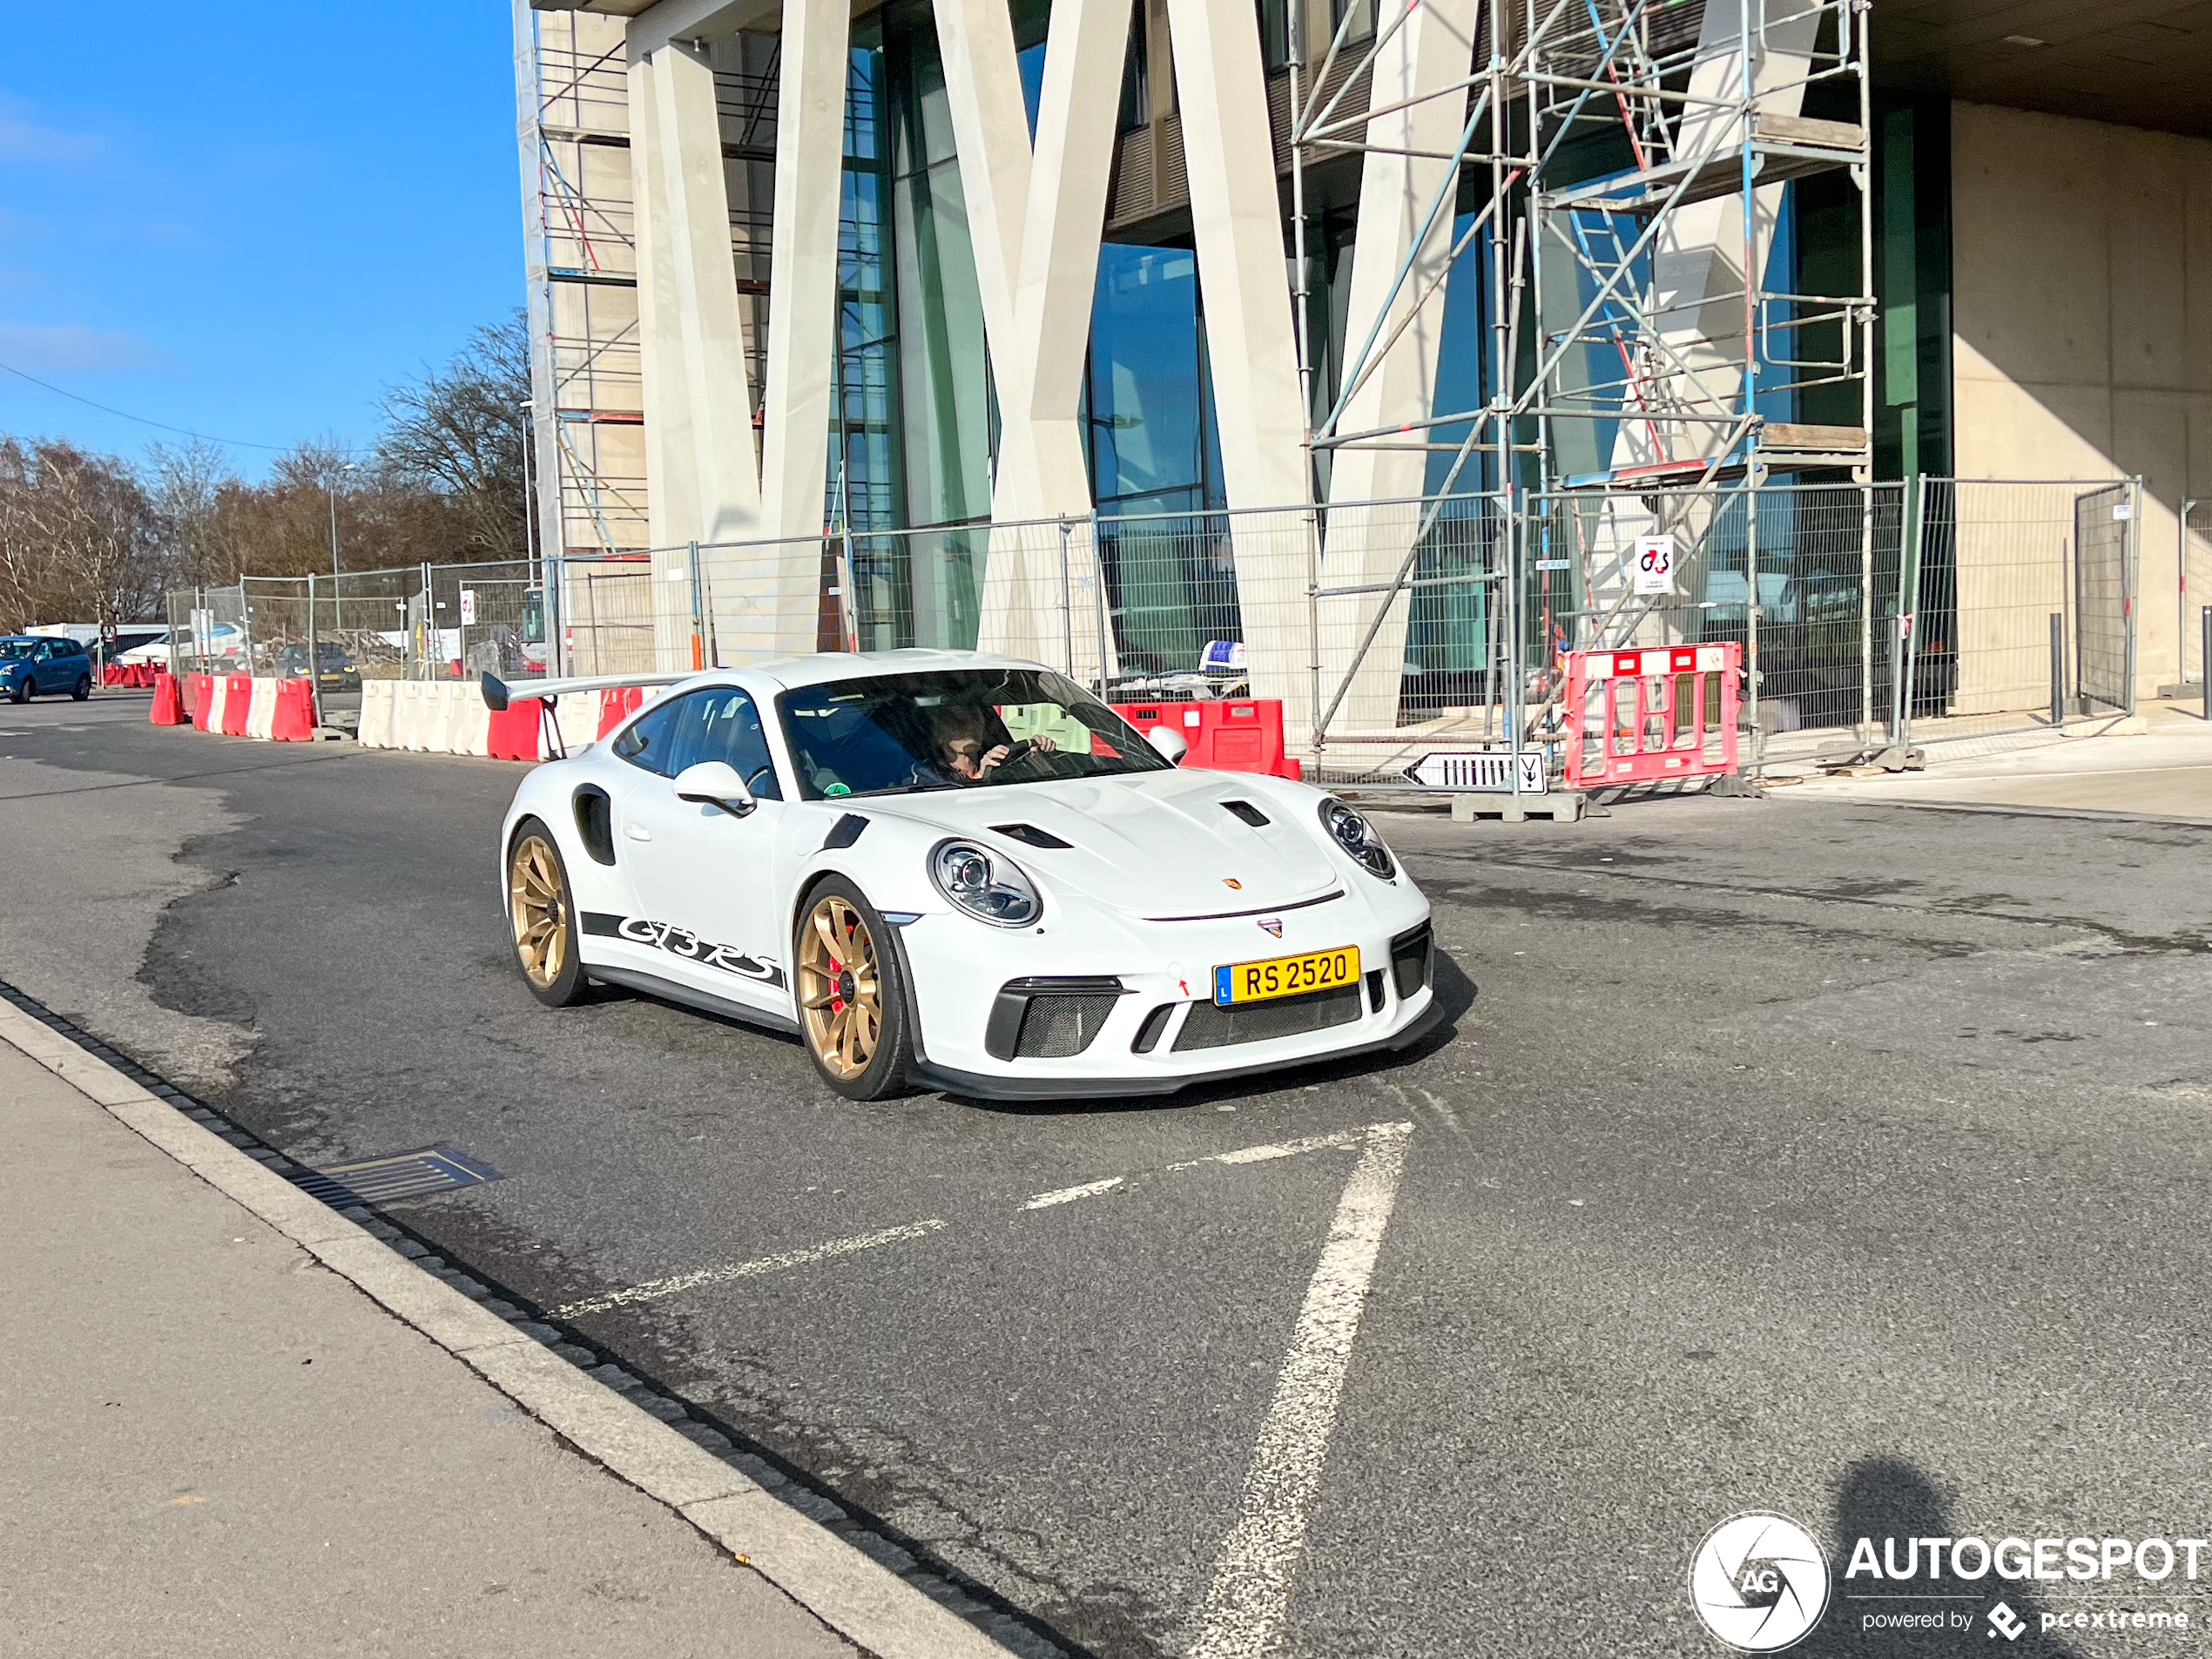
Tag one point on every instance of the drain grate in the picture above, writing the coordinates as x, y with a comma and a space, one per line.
396, 1176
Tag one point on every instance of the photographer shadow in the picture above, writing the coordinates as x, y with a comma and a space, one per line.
1884, 1498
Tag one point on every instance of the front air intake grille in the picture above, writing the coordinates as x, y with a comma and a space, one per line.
1411, 957
1210, 1026
1056, 1025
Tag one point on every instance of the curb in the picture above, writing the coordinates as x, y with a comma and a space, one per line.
855, 1595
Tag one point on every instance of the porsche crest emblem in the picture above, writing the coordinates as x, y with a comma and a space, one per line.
1232, 881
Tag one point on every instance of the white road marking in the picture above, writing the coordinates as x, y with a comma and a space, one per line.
1250, 1598
1068, 1195
1288, 1148
654, 1288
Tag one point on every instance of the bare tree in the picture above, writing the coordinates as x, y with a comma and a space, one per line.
186, 485
455, 433
77, 539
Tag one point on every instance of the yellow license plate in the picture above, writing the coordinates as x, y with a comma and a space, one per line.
1316, 970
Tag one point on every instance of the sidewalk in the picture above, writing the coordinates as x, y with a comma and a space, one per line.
2164, 770
210, 1444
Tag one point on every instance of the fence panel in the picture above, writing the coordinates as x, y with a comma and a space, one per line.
2104, 592
2196, 588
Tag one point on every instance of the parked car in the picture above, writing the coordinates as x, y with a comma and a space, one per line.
335, 669
30, 664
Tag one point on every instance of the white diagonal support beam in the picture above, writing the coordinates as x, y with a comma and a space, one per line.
1035, 214
1229, 153
1397, 300
692, 243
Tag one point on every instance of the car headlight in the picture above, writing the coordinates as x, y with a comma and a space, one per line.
1357, 836
989, 887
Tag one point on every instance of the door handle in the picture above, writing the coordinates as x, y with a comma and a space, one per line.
636, 831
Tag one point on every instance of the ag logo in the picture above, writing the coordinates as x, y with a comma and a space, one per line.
1759, 1582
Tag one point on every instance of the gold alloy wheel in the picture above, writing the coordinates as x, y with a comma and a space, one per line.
840, 998
537, 908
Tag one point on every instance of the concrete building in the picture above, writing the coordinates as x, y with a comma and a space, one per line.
1099, 330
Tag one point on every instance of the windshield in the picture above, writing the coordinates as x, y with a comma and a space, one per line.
967, 728
16, 650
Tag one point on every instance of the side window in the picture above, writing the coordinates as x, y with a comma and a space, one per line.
723, 724
649, 742
736, 737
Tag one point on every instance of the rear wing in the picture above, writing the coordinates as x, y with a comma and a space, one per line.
498, 695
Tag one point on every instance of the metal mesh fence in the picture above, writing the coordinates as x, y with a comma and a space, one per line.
2196, 588
2024, 606
1870, 615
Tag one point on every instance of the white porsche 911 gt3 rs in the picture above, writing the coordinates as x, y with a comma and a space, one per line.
952, 871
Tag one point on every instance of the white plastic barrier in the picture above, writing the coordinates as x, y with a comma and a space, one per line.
467, 724
218, 687
260, 713
376, 713
407, 716
449, 716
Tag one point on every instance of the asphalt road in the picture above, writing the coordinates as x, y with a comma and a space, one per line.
1841, 1160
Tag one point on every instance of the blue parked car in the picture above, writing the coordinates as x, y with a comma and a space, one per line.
32, 664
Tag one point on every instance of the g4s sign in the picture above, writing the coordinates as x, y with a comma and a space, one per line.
1655, 565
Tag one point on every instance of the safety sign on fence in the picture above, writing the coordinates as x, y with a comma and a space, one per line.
1655, 565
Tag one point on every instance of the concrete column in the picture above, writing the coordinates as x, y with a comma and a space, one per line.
1036, 215
802, 304
1237, 217
691, 237
1430, 49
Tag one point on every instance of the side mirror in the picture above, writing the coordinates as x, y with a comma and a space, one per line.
1170, 743
715, 782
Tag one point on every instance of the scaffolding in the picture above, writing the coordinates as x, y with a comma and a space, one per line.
587, 390
1613, 180
1619, 169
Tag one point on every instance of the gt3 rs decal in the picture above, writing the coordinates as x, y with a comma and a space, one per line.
677, 942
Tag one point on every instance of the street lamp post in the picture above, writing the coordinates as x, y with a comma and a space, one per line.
337, 590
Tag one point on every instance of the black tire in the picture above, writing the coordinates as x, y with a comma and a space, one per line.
82, 689
548, 962
825, 1027
26, 688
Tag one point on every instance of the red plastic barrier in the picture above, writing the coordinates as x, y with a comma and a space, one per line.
238, 702
1638, 716
145, 674
168, 701
618, 706
294, 718
1225, 735
202, 698
514, 729
112, 674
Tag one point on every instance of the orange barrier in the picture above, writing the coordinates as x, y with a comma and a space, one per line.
237, 704
293, 720
515, 730
168, 701
1641, 715
1224, 734
617, 705
200, 698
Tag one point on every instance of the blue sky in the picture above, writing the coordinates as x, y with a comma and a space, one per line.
248, 217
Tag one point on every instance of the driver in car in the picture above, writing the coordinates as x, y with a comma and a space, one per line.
964, 746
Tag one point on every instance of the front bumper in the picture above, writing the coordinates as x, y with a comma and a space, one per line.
1018, 1086
1149, 1039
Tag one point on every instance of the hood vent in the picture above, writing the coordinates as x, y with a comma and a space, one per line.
1246, 810
1029, 835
